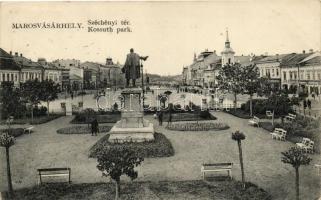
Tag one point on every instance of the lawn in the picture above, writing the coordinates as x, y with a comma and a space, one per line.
181, 190
160, 147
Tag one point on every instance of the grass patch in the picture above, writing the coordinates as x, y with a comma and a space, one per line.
82, 130
15, 132
194, 126
181, 190
36, 120
160, 147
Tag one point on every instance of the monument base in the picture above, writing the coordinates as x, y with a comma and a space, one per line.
119, 134
132, 127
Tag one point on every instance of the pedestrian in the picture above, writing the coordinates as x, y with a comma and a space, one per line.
160, 118
309, 104
170, 117
94, 127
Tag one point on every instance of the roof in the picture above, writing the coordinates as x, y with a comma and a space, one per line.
74, 77
26, 63
4, 54
272, 58
90, 65
7, 62
313, 59
293, 59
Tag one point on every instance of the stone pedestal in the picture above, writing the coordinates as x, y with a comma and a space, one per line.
132, 127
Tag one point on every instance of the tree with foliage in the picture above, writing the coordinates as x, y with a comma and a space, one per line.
251, 82
239, 136
230, 79
7, 141
296, 157
279, 104
118, 161
31, 92
11, 102
49, 92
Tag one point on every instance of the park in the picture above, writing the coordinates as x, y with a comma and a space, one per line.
224, 145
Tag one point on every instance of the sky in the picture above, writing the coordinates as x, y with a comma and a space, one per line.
168, 32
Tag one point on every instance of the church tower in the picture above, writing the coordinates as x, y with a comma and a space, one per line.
227, 53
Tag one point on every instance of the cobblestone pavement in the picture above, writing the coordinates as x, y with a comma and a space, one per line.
262, 158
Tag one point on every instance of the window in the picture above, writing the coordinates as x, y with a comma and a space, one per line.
277, 72
229, 61
8, 77
15, 77
308, 76
319, 76
284, 76
290, 75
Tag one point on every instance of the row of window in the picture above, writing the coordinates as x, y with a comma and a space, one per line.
308, 75
270, 72
26, 76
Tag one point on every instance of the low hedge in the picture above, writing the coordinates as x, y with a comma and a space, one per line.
36, 120
15, 132
198, 126
82, 118
160, 147
193, 116
82, 130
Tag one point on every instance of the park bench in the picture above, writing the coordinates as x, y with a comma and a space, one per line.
254, 121
54, 172
279, 133
308, 148
28, 129
290, 117
217, 167
269, 114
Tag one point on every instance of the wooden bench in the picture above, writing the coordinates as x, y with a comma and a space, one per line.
290, 117
54, 172
217, 167
28, 129
254, 121
279, 133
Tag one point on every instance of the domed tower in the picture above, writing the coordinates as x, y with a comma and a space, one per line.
227, 53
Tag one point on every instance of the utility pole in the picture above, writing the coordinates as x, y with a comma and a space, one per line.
142, 67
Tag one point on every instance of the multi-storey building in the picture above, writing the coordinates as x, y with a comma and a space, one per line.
9, 70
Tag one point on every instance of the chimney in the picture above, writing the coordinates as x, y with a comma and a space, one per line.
21, 55
303, 51
16, 54
11, 53
311, 51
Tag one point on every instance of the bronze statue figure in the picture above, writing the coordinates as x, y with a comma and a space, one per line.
132, 67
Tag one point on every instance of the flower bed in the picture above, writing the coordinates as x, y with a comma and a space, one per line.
198, 126
15, 132
82, 118
82, 130
160, 147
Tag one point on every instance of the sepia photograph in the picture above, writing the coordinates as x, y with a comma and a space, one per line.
160, 100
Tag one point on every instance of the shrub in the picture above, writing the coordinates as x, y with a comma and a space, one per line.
198, 126
160, 147
82, 130
15, 132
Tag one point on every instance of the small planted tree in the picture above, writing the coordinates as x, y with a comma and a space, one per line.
230, 78
31, 93
251, 82
49, 92
118, 161
239, 136
7, 141
296, 157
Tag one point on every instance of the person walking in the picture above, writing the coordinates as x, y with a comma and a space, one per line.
170, 117
309, 104
94, 127
160, 118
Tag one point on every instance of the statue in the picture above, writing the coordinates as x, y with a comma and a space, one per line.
132, 67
